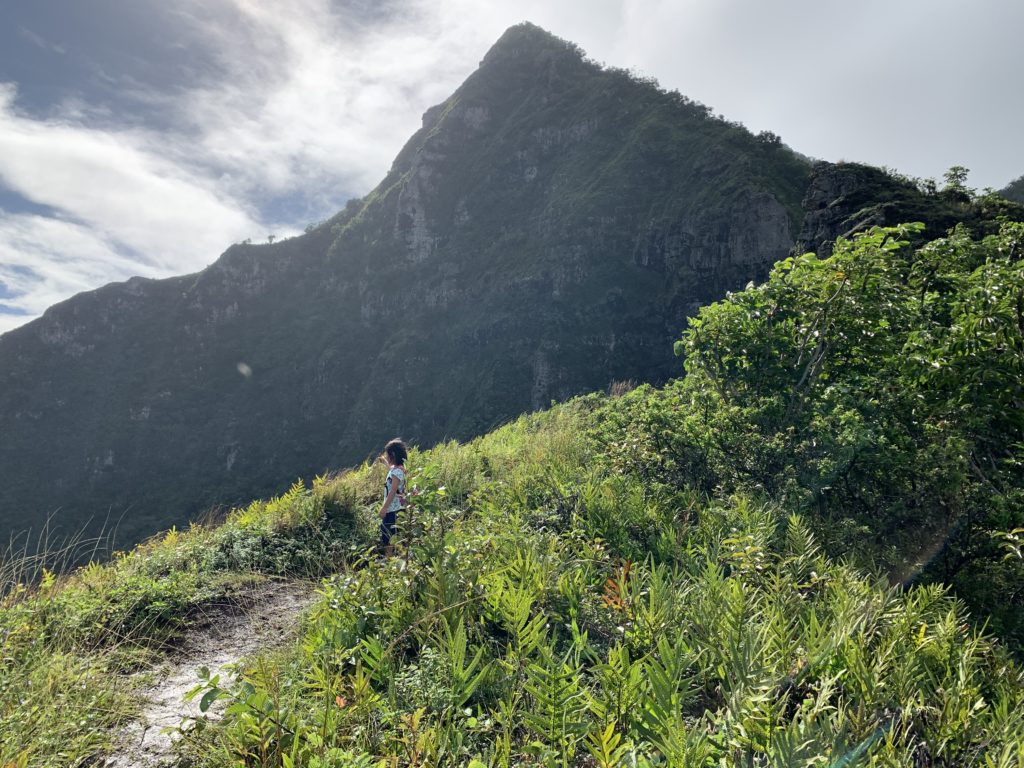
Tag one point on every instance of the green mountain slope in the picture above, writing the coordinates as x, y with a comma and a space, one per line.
548, 229
548, 610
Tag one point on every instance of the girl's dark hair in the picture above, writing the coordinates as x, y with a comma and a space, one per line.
396, 452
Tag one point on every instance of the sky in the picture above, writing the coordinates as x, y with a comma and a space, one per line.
140, 137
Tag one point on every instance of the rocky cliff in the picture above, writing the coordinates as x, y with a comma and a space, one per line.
844, 198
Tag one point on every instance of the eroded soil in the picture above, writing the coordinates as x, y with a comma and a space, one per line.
264, 618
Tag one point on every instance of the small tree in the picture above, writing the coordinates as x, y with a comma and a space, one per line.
956, 184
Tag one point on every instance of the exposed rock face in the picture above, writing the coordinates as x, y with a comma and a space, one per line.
547, 231
834, 206
845, 198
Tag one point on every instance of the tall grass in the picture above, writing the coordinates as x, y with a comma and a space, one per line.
549, 610
69, 638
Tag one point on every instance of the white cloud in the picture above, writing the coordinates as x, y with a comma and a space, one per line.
44, 260
329, 100
119, 184
36, 40
122, 208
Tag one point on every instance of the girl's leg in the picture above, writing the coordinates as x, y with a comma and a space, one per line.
387, 530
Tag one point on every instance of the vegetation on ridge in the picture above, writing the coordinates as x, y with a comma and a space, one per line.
551, 610
880, 392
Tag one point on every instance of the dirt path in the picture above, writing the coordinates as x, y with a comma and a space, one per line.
266, 618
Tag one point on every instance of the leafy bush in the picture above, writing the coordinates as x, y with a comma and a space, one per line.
877, 391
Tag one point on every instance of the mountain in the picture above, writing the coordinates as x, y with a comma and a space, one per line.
547, 232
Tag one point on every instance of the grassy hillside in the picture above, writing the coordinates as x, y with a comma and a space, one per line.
548, 609
740, 568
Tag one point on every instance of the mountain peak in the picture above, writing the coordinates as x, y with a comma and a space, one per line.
528, 39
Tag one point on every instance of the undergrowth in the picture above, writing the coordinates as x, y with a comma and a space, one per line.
549, 610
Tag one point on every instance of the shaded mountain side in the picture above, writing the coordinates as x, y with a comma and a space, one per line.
1014, 190
548, 230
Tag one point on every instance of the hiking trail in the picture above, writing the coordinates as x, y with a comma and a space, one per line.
264, 618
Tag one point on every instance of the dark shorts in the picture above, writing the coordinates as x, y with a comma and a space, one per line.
388, 526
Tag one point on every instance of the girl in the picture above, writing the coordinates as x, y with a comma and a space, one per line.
395, 454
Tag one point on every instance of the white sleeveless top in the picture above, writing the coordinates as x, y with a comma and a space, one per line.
396, 503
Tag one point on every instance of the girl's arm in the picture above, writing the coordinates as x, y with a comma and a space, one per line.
390, 498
